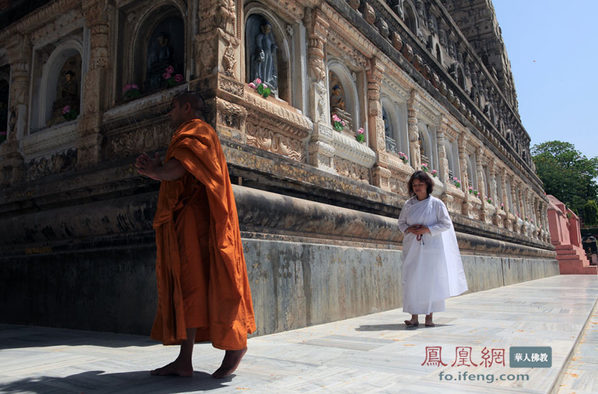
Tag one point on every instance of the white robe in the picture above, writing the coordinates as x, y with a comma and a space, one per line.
432, 267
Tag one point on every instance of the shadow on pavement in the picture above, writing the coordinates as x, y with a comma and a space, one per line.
18, 337
395, 327
124, 382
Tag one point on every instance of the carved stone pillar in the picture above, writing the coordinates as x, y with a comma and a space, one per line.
321, 151
503, 189
443, 167
503, 197
11, 161
412, 129
513, 205
466, 207
97, 15
480, 175
215, 37
492, 182
480, 182
217, 54
380, 172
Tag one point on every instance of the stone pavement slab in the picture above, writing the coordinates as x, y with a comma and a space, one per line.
373, 353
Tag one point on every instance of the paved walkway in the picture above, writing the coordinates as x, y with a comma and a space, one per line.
373, 353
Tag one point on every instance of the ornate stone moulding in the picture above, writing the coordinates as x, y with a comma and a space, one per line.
41, 16
49, 140
51, 164
280, 111
396, 164
275, 126
147, 136
65, 22
130, 108
349, 149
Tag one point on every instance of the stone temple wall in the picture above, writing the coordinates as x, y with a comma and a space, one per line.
317, 207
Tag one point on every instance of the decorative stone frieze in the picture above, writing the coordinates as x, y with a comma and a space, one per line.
54, 164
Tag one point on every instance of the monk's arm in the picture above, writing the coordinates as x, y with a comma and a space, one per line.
153, 168
171, 170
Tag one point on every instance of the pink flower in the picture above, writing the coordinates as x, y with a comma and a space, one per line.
66, 109
166, 76
134, 86
252, 85
336, 118
178, 78
360, 131
127, 87
257, 81
169, 69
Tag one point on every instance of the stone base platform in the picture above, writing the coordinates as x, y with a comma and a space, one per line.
372, 353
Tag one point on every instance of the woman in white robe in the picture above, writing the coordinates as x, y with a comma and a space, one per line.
432, 267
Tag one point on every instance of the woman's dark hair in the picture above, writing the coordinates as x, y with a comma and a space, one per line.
420, 176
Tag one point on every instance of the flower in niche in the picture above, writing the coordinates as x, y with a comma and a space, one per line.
338, 123
69, 113
262, 88
403, 157
170, 79
360, 135
131, 91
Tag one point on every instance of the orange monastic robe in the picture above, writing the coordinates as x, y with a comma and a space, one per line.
200, 267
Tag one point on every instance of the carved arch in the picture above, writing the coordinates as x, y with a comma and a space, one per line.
48, 83
284, 50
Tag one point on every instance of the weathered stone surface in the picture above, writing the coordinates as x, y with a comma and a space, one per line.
317, 208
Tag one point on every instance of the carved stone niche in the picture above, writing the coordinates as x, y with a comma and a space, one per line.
153, 49
275, 126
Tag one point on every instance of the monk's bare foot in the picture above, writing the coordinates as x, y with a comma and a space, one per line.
176, 368
231, 361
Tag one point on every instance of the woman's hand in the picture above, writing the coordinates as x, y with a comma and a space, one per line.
418, 229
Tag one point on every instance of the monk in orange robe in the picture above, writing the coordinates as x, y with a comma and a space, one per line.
203, 290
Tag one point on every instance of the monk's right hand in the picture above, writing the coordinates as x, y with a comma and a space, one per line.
147, 166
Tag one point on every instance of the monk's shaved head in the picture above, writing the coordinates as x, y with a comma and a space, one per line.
194, 100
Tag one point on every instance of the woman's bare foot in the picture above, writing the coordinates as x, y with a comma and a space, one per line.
231, 361
177, 368
429, 322
413, 322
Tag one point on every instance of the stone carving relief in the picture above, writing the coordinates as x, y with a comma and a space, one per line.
264, 137
351, 170
231, 86
321, 93
138, 139
225, 16
58, 162
229, 62
205, 49
231, 115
